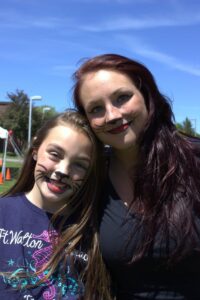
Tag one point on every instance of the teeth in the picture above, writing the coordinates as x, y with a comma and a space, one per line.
57, 183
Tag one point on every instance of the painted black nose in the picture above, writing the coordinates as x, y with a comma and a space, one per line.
61, 175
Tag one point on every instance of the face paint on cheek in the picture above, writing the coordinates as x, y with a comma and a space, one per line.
40, 172
76, 185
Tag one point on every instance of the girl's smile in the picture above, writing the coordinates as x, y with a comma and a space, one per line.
62, 162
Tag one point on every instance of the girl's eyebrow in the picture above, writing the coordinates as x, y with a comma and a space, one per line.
55, 146
84, 158
80, 157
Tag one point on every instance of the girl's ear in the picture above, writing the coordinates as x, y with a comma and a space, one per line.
35, 156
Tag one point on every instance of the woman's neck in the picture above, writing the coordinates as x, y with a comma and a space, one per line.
128, 158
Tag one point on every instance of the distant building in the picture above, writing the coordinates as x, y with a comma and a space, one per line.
3, 107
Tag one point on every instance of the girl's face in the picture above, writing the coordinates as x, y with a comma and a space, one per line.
62, 162
114, 107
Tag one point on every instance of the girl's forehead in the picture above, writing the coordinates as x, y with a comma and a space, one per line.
65, 130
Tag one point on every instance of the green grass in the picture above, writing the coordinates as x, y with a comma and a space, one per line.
9, 164
6, 186
13, 164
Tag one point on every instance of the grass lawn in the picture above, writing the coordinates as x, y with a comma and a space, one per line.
6, 185
13, 164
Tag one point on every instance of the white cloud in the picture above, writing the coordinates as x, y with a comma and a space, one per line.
144, 22
144, 50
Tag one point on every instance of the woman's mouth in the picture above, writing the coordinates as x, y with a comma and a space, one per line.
120, 128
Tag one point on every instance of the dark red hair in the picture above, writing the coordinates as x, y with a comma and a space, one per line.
167, 183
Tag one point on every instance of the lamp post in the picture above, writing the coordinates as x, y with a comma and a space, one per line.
33, 98
47, 108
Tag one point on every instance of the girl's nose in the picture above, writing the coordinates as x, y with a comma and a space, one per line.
61, 175
63, 168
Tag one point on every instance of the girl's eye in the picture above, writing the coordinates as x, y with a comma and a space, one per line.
123, 98
54, 155
81, 166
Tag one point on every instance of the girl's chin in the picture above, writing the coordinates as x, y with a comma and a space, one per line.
55, 193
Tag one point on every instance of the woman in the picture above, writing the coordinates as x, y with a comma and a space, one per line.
150, 226
48, 238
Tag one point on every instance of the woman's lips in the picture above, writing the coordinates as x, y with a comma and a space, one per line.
119, 129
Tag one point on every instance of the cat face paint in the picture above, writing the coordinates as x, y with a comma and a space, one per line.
62, 162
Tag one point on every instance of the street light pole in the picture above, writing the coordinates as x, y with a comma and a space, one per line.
47, 108
33, 98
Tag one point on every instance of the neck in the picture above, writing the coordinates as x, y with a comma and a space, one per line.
128, 158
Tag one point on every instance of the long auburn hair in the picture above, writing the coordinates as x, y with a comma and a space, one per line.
167, 180
84, 204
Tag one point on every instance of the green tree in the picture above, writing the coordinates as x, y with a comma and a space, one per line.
16, 117
186, 127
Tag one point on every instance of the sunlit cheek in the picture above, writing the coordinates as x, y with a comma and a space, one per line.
45, 162
95, 123
78, 176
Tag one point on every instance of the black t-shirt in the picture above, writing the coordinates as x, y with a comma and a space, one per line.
148, 278
25, 246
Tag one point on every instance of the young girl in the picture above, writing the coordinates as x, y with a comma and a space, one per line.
150, 223
48, 240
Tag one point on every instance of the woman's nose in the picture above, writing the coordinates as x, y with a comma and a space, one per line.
113, 114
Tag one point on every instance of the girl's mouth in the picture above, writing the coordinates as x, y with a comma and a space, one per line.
57, 186
120, 129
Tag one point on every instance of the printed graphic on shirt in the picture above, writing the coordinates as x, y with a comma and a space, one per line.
37, 251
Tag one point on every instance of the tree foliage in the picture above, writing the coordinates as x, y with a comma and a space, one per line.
16, 117
186, 127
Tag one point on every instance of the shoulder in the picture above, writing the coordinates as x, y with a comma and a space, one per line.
11, 200
12, 206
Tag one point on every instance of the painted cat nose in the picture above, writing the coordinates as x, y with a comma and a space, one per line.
61, 175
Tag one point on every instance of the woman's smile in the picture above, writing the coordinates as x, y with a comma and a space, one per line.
115, 105
120, 128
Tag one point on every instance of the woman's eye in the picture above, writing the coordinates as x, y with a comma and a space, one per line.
123, 98
95, 109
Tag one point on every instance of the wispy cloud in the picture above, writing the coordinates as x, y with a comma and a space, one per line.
139, 47
144, 22
18, 20
170, 61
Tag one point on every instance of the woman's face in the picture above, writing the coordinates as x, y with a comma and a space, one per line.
114, 107
62, 162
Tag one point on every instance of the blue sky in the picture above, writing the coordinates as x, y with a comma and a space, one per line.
43, 41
